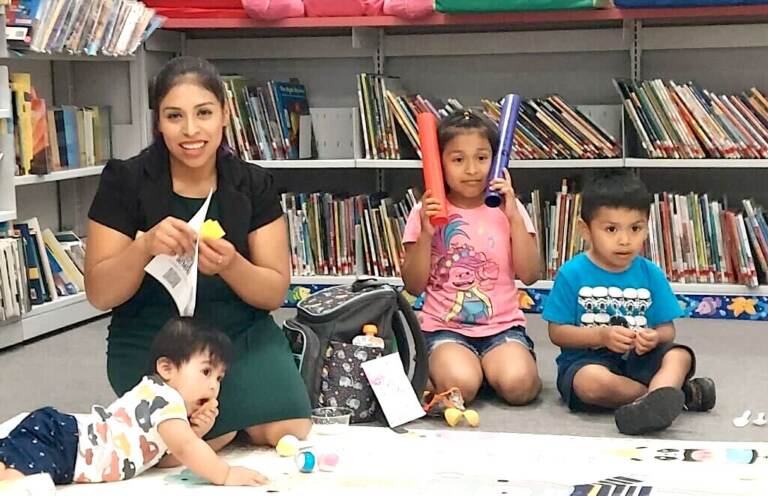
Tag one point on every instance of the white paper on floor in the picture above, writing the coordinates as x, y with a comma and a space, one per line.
377, 461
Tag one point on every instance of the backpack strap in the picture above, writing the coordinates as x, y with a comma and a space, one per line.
366, 282
419, 380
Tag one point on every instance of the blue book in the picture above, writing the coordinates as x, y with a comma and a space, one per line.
70, 135
37, 293
292, 103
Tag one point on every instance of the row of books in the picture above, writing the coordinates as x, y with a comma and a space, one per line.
547, 128
332, 235
380, 106
674, 120
91, 27
37, 266
50, 139
696, 239
692, 237
269, 122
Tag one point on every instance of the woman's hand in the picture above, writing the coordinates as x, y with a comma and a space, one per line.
215, 255
170, 236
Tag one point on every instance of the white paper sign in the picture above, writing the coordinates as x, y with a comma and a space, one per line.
179, 274
393, 390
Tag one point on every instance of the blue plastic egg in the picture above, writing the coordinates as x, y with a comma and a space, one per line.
306, 462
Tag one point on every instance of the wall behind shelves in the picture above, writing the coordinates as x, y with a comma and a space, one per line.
580, 78
723, 70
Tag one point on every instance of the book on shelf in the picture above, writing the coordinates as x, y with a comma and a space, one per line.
14, 298
88, 27
270, 121
37, 266
51, 139
686, 121
547, 128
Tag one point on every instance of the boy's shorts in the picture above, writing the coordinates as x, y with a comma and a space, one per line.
45, 441
640, 368
479, 346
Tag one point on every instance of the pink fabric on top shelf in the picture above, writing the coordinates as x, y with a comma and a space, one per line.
410, 9
333, 8
273, 9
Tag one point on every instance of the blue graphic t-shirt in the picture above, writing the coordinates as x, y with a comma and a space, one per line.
585, 294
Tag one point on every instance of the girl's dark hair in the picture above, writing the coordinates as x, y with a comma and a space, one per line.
183, 337
464, 121
613, 188
176, 71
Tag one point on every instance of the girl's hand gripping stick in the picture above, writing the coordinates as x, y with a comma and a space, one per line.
509, 112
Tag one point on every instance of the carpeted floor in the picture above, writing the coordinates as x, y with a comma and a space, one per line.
67, 370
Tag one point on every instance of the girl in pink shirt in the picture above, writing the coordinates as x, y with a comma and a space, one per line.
471, 318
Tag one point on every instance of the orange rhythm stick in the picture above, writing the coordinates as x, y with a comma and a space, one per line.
432, 166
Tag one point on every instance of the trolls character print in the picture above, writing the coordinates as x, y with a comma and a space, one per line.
471, 288
463, 272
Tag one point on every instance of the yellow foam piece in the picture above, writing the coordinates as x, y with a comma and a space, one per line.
453, 416
212, 229
472, 417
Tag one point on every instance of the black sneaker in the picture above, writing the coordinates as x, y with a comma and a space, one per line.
700, 395
653, 412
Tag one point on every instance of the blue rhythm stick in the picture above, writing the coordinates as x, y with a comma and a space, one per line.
509, 111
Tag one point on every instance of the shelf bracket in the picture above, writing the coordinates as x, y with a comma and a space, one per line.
632, 32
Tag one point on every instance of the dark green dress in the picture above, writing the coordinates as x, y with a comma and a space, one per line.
262, 385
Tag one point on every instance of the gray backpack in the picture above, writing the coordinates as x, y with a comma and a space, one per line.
321, 337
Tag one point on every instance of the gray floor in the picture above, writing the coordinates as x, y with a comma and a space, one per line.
67, 370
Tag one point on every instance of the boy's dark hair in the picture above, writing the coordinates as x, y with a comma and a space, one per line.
464, 121
183, 337
613, 188
177, 71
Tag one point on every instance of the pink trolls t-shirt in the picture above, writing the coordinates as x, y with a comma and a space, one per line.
471, 288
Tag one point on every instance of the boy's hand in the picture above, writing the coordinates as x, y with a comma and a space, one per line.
617, 338
647, 340
430, 206
241, 476
508, 199
203, 418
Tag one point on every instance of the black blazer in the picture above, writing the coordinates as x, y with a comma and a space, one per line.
135, 194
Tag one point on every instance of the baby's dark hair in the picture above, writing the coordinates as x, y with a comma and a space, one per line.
613, 188
183, 337
464, 121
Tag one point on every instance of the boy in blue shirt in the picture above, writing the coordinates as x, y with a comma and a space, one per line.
611, 312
